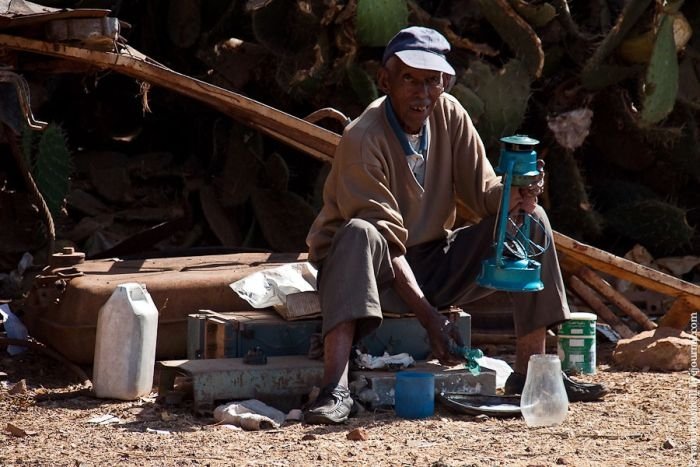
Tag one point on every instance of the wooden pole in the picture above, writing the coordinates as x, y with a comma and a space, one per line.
589, 296
615, 297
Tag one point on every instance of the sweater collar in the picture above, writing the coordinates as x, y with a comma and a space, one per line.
401, 135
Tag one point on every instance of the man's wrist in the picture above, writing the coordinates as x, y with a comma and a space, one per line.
428, 315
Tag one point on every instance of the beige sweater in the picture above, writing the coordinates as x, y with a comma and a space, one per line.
370, 179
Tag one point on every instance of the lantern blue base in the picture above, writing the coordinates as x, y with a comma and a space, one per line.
521, 275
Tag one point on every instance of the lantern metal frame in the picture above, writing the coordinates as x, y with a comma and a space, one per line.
517, 272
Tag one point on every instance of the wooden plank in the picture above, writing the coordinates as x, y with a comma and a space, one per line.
300, 305
627, 270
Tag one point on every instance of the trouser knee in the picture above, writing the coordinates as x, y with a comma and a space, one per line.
359, 231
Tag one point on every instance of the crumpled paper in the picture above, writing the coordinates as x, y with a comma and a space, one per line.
251, 415
371, 362
502, 369
271, 286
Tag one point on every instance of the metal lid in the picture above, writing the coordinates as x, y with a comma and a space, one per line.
519, 142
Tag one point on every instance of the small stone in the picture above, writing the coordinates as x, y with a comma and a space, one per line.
19, 388
358, 434
481, 418
528, 449
308, 437
564, 461
669, 444
19, 432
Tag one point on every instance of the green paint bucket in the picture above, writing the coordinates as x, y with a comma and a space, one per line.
576, 343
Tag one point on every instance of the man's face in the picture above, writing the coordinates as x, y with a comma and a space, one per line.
413, 92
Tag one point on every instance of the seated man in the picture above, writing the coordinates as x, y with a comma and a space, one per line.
385, 228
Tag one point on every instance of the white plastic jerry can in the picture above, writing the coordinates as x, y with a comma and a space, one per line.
125, 347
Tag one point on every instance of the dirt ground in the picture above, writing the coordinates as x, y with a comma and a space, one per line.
646, 420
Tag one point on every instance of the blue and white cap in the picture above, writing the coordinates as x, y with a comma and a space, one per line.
420, 47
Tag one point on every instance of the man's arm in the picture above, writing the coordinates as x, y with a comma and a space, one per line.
440, 330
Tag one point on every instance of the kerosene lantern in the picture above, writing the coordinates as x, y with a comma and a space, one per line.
512, 268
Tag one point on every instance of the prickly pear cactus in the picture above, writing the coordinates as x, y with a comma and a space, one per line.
596, 74
515, 31
284, 218
362, 84
53, 167
659, 226
28, 144
537, 15
276, 172
685, 154
661, 83
609, 194
285, 29
184, 22
504, 94
571, 212
379, 20
469, 100
240, 153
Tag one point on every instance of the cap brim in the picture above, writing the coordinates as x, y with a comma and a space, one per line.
425, 61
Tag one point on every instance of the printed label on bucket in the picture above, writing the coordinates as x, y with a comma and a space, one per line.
577, 354
577, 343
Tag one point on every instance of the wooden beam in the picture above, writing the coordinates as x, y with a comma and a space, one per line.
627, 270
294, 131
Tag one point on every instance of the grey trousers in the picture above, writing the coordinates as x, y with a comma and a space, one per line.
355, 278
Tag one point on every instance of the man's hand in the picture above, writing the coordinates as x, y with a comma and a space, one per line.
525, 197
440, 330
444, 336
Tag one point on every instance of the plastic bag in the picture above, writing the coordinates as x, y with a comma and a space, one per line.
14, 328
271, 287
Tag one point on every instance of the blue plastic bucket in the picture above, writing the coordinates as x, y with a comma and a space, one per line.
414, 394
576, 343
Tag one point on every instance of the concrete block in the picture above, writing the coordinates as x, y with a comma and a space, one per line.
226, 379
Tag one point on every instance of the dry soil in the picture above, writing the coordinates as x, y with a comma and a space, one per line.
648, 419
